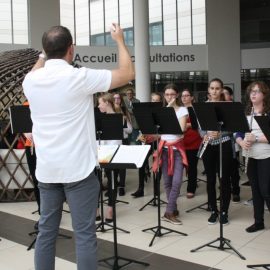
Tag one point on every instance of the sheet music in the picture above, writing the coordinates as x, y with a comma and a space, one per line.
135, 154
106, 152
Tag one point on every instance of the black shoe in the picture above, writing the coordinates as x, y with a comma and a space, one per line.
224, 218
213, 218
235, 198
122, 191
98, 218
108, 220
106, 194
138, 193
255, 227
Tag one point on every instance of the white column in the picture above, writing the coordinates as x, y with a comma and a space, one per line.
42, 15
223, 40
142, 50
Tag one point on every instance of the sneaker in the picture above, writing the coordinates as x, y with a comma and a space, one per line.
176, 213
213, 218
224, 218
171, 218
235, 198
249, 202
255, 227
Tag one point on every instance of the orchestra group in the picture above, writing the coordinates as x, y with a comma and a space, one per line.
62, 148
176, 154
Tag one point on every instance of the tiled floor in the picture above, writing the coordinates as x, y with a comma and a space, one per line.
171, 250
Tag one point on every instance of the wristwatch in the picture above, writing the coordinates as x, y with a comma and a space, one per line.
256, 139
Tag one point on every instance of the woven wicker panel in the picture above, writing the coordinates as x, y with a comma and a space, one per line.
15, 181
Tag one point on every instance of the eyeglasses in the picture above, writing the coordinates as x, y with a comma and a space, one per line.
255, 91
185, 96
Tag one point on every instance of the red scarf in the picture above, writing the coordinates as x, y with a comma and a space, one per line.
179, 145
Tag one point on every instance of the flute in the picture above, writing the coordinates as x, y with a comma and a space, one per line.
203, 148
250, 127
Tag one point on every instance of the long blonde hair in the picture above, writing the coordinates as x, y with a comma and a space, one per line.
107, 97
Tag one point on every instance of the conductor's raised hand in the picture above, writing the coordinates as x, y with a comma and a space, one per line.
117, 32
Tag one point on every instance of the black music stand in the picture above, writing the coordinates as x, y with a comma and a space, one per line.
143, 113
158, 121
21, 123
221, 116
116, 165
264, 123
108, 127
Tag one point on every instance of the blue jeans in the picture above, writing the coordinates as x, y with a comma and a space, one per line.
172, 184
82, 198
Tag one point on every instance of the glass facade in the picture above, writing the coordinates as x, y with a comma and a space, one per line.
13, 22
171, 22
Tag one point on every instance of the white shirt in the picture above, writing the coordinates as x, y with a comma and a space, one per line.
257, 150
61, 104
182, 111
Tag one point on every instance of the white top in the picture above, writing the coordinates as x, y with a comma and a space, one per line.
61, 105
257, 150
182, 111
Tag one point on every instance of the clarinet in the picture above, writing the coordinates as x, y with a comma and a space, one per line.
248, 151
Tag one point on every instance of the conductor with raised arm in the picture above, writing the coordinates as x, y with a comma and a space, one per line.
61, 105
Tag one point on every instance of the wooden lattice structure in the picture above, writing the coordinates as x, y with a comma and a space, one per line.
15, 181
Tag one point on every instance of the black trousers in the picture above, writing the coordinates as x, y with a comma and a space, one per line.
192, 170
211, 164
258, 173
31, 161
235, 177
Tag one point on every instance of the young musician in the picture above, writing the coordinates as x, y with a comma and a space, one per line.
120, 107
192, 142
257, 149
155, 97
172, 156
211, 161
106, 105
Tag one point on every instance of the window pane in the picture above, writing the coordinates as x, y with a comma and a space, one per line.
20, 21
155, 14
5, 21
169, 17
155, 34
126, 13
82, 22
198, 19
97, 22
111, 13
184, 22
67, 15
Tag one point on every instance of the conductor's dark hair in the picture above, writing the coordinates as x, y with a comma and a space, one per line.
56, 42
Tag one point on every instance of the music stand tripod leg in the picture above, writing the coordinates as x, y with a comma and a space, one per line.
154, 200
222, 241
265, 266
100, 227
157, 229
115, 265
